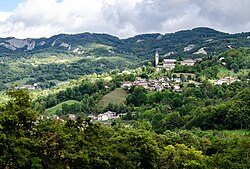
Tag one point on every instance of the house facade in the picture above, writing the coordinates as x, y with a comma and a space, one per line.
188, 62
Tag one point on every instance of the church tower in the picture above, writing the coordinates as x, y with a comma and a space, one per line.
156, 58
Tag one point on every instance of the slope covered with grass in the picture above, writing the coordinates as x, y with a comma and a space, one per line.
53, 110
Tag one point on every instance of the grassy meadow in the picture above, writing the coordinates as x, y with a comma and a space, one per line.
118, 96
52, 110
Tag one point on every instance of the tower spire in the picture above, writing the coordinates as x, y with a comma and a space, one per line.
156, 57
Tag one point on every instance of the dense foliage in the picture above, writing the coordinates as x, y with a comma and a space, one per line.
27, 142
207, 107
46, 74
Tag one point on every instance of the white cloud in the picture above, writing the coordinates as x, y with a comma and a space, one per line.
4, 16
123, 18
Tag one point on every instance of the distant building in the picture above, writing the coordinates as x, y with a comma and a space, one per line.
177, 79
102, 117
227, 80
127, 85
110, 114
159, 67
29, 87
189, 62
168, 64
126, 72
177, 88
143, 85
169, 61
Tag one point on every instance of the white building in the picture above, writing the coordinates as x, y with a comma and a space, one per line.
227, 80
126, 72
169, 64
102, 117
189, 62
127, 85
29, 87
110, 114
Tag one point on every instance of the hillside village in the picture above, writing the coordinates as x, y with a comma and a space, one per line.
175, 83
107, 116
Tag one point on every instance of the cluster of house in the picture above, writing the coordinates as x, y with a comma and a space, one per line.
154, 84
28, 87
36, 86
147, 84
169, 64
109, 115
227, 80
57, 118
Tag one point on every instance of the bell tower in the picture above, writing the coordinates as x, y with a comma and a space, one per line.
156, 57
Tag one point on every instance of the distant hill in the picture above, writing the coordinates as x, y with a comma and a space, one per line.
141, 45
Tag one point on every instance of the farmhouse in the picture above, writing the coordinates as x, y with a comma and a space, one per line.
102, 117
110, 114
227, 80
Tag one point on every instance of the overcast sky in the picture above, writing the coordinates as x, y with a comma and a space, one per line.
123, 18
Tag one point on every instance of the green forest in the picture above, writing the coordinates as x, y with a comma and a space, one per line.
30, 142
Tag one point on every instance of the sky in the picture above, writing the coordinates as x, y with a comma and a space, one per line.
122, 18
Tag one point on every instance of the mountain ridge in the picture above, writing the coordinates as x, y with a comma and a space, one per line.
141, 45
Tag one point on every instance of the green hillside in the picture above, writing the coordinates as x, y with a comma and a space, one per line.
118, 96
53, 110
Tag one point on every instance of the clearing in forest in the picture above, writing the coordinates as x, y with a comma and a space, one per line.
117, 96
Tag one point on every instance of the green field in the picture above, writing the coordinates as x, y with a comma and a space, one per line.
223, 72
241, 132
236, 131
118, 96
47, 58
52, 110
